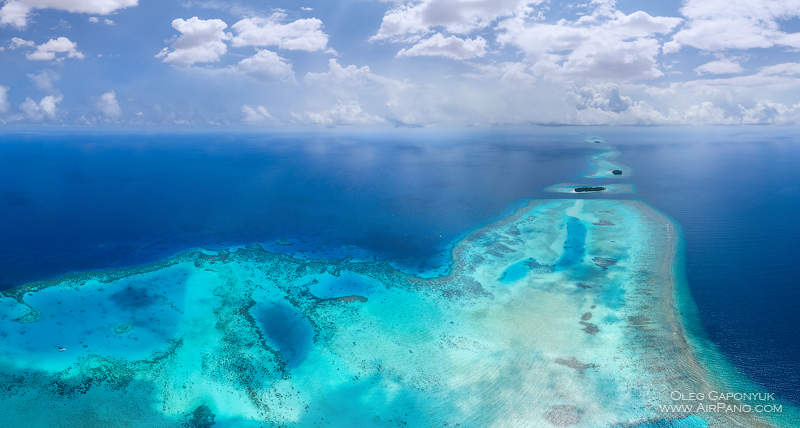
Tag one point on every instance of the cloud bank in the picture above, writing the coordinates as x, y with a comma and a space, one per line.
414, 63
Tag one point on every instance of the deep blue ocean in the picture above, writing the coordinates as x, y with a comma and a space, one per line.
72, 202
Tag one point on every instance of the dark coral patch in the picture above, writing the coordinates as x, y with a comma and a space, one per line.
133, 298
590, 328
201, 417
563, 415
604, 262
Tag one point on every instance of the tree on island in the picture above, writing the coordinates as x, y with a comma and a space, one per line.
589, 189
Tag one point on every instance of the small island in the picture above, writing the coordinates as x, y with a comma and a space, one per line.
589, 189
574, 188
616, 172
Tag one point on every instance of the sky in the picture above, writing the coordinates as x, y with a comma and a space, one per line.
329, 63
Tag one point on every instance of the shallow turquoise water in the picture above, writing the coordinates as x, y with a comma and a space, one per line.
689, 422
251, 338
345, 283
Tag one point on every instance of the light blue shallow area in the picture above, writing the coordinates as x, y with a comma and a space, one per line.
346, 283
688, 422
130, 318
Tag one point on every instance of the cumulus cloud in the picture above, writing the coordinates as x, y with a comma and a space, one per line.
16, 12
602, 96
783, 75
343, 113
338, 76
16, 42
769, 112
509, 73
716, 25
108, 104
606, 44
707, 113
450, 47
719, 67
45, 80
200, 41
302, 34
4, 106
47, 51
409, 21
255, 115
341, 84
46, 108
266, 65
95, 20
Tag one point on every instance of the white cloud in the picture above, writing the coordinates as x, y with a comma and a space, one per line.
16, 42
343, 113
106, 21
716, 25
339, 84
601, 96
46, 108
509, 73
200, 41
302, 34
15, 12
455, 16
4, 106
307, 9
774, 75
607, 44
338, 76
707, 113
47, 51
450, 47
45, 79
768, 112
719, 67
266, 65
108, 104
255, 115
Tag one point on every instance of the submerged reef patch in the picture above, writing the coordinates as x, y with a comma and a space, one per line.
547, 317
605, 166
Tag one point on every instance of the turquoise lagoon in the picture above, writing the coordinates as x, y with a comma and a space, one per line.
560, 314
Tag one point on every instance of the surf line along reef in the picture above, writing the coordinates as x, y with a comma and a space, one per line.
561, 314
